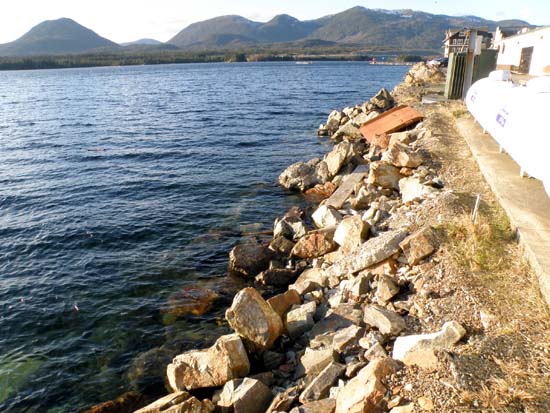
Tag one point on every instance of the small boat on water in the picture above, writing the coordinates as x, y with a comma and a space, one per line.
303, 62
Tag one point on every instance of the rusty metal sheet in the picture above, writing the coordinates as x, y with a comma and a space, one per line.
343, 192
393, 120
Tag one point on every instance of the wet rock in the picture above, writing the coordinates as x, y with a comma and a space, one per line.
338, 156
281, 245
319, 406
247, 260
319, 387
351, 232
224, 361
245, 396
347, 130
149, 368
401, 156
347, 337
300, 319
413, 190
276, 276
289, 227
254, 320
302, 176
325, 217
283, 401
127, 403
451, 333
281, 303
386, 289
386, 321
384, 175
315, 244
178, 402
369, 253
320, 192
383, 99
418, 245
365, 392
190, 300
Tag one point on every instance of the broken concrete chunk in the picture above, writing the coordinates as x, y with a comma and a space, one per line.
325, 217
224, 361
418, 245
245, 396
254, 320
449, 335
413, 190
369, 253
386, 321
319, 387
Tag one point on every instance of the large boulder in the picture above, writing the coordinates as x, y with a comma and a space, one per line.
178, 402
283, 302
302, 175
369, 253
254, 320
315, 244
365, 392
384, 174
289, 227
245, 396
224, 361
248, 260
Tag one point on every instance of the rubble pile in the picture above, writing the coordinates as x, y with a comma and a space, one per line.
349, 276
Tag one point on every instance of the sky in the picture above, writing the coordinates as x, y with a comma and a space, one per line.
128, 20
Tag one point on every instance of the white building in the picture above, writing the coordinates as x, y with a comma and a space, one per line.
527, 51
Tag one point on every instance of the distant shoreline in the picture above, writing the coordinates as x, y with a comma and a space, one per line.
115, 60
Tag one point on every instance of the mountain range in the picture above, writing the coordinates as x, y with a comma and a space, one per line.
366, 28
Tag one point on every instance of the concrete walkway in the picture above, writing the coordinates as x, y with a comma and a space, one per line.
524, 199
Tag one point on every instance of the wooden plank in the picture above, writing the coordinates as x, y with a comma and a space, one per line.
393, 120
343, 192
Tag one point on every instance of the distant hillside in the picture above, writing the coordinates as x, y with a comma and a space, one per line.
60, 36
398, 29
148, 42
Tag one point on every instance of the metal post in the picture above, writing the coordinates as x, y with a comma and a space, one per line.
470, 56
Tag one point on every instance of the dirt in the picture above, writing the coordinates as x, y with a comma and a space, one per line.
479, 278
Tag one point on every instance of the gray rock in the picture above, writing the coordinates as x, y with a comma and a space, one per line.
302, 176
386, 321
376, 351
245, 396
300, 319
383, 99
289, 227
340, 317
369, 253
347, 130
386, 289
313, 362
325, 217
347, 337
319, 387
360, 285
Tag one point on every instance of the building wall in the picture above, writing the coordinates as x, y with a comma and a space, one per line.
510, 48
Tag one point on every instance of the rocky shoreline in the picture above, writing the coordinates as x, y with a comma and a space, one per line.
343, 327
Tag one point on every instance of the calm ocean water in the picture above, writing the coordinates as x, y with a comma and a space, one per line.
120, 186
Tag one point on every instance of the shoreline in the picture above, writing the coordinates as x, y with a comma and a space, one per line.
374, 310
